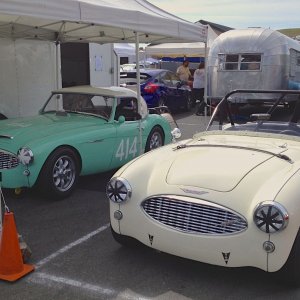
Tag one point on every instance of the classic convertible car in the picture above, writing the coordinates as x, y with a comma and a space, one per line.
229, 196
79, 131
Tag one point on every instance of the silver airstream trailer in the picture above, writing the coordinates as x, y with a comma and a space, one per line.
253, 58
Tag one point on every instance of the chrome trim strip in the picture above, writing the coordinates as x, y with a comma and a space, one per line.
6, 136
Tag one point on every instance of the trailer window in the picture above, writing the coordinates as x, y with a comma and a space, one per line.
228, 61
239, 62
294, 64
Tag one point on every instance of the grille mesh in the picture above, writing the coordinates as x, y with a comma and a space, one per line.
203, 218
8, 160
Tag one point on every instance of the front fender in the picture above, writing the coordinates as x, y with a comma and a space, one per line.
40, 157
157, 120
289, 197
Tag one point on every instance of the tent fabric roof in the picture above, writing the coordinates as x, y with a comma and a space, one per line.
99, 21
194, 49
123, 49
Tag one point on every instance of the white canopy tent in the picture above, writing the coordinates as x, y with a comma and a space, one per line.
191, 49
123, 49
95, 21
196, 49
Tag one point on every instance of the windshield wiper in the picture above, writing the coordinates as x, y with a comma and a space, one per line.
279, 155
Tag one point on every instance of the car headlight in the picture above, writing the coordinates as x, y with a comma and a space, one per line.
118, 190
270, 217
176, 133
25, 156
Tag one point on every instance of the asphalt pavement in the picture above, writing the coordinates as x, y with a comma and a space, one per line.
76, 257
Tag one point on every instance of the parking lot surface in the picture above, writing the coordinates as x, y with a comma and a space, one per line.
76, 257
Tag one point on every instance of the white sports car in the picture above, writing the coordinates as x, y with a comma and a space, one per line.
229, 196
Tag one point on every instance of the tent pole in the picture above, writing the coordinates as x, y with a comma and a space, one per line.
138, 81
58, 66
205, 78
137, 59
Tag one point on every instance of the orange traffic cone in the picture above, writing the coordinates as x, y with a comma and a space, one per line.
11, 262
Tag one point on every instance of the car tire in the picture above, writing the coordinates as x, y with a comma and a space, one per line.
59, 174
155, 139
290, 271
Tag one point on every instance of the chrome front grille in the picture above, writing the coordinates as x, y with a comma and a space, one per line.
8, 160
202, 217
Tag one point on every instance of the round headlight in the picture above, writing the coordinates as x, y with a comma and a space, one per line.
270, 217
176, 133
118, 190
25, 156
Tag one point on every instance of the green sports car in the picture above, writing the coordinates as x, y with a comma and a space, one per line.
79, 131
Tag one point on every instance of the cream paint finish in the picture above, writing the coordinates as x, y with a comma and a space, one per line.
253, 177
200, 167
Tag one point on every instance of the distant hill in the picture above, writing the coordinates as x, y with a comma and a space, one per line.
291, 32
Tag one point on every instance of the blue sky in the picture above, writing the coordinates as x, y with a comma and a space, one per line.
274, 14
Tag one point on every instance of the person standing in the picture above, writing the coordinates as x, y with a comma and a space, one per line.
184, 72
198, 89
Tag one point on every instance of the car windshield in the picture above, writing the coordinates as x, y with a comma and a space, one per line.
272, 112
89, 104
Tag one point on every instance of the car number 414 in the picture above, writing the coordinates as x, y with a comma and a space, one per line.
127, 149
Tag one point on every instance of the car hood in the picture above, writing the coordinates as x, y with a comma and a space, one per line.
222, 165
217, 163
206, 168
20, 131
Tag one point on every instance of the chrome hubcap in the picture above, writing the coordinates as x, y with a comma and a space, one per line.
156, 141
64, 172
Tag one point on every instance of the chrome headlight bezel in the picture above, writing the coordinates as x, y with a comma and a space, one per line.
270, 217
176, 133
118, 190
25, 156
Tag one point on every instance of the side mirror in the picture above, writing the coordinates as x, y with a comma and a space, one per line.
121, 119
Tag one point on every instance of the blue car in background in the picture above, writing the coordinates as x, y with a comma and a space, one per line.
160, 87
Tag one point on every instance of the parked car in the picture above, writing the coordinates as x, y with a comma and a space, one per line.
229, 196
160, 88
79, 131
131, 67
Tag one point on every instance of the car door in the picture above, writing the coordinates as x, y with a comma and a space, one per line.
127, 144
96, 143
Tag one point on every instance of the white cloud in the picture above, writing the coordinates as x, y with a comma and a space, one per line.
236, 13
